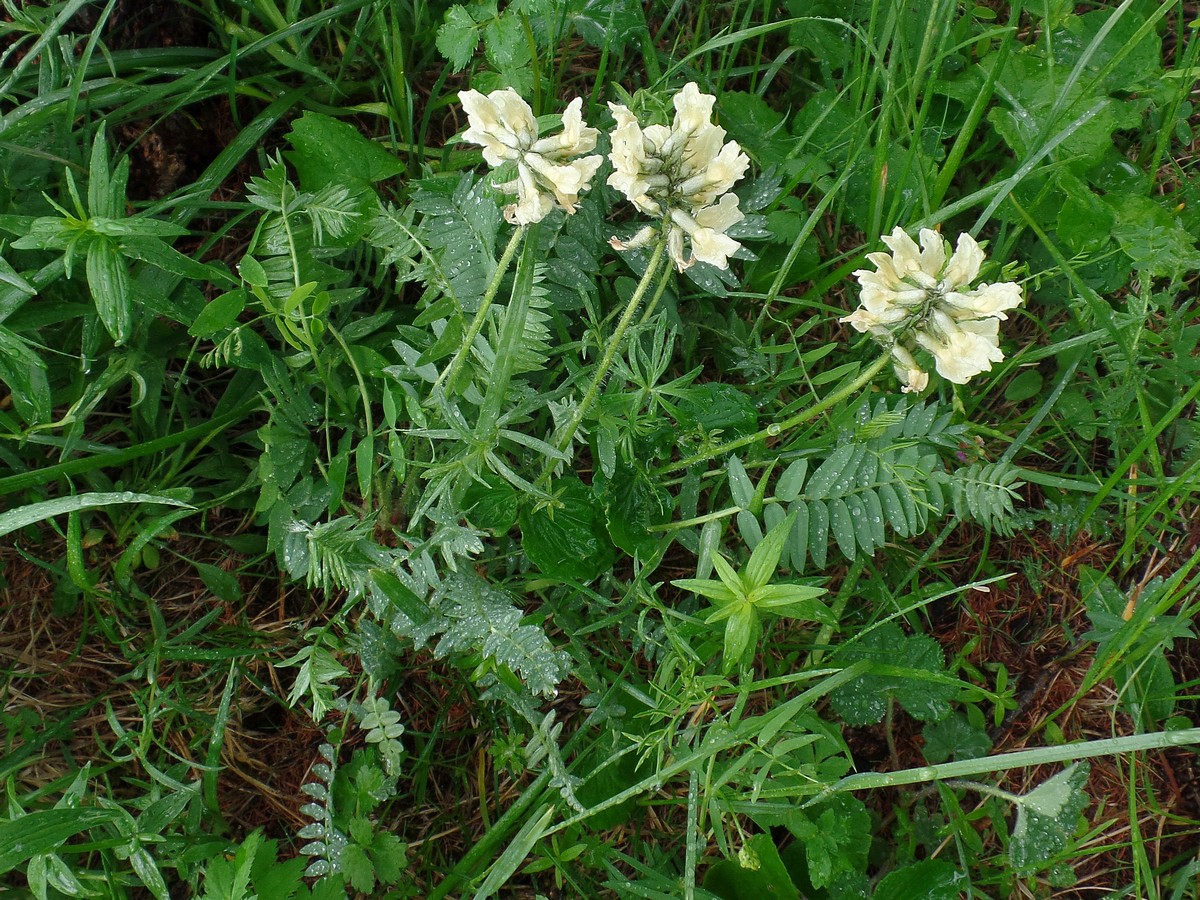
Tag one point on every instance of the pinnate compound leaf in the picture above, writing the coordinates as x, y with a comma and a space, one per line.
1047, 818
482, 619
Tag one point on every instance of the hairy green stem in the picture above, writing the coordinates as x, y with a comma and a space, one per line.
450, 373
610, 354
799, 418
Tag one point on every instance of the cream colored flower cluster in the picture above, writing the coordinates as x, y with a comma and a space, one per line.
682, 175
550, 170
919, 296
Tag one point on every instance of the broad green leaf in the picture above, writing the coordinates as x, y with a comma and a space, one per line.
758, 874
954, 737
218, 314
491, 505
328, 152
610, 23
568, 541
929, 879
864, 701
505, 43
634, 503
1047, 818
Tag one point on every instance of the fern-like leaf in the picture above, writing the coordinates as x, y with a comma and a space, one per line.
986, 493
534, 349
458, 227
480, 618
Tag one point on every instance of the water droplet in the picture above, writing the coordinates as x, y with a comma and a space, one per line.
773, 429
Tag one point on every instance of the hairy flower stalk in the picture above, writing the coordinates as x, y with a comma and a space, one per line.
922, 297
550, 172
564, 440
680, 175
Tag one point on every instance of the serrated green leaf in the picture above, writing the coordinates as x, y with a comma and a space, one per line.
457, 38
864, 701
505, 43
390, 856
327, 152
1047, 818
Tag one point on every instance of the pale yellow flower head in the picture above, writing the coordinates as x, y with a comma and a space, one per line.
921, 296
551, 171
682, 175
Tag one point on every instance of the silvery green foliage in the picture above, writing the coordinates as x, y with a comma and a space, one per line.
384, 729
480, 617
326, 842
458, 229
985, 493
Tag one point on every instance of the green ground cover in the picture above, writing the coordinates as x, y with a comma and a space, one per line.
587, 448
